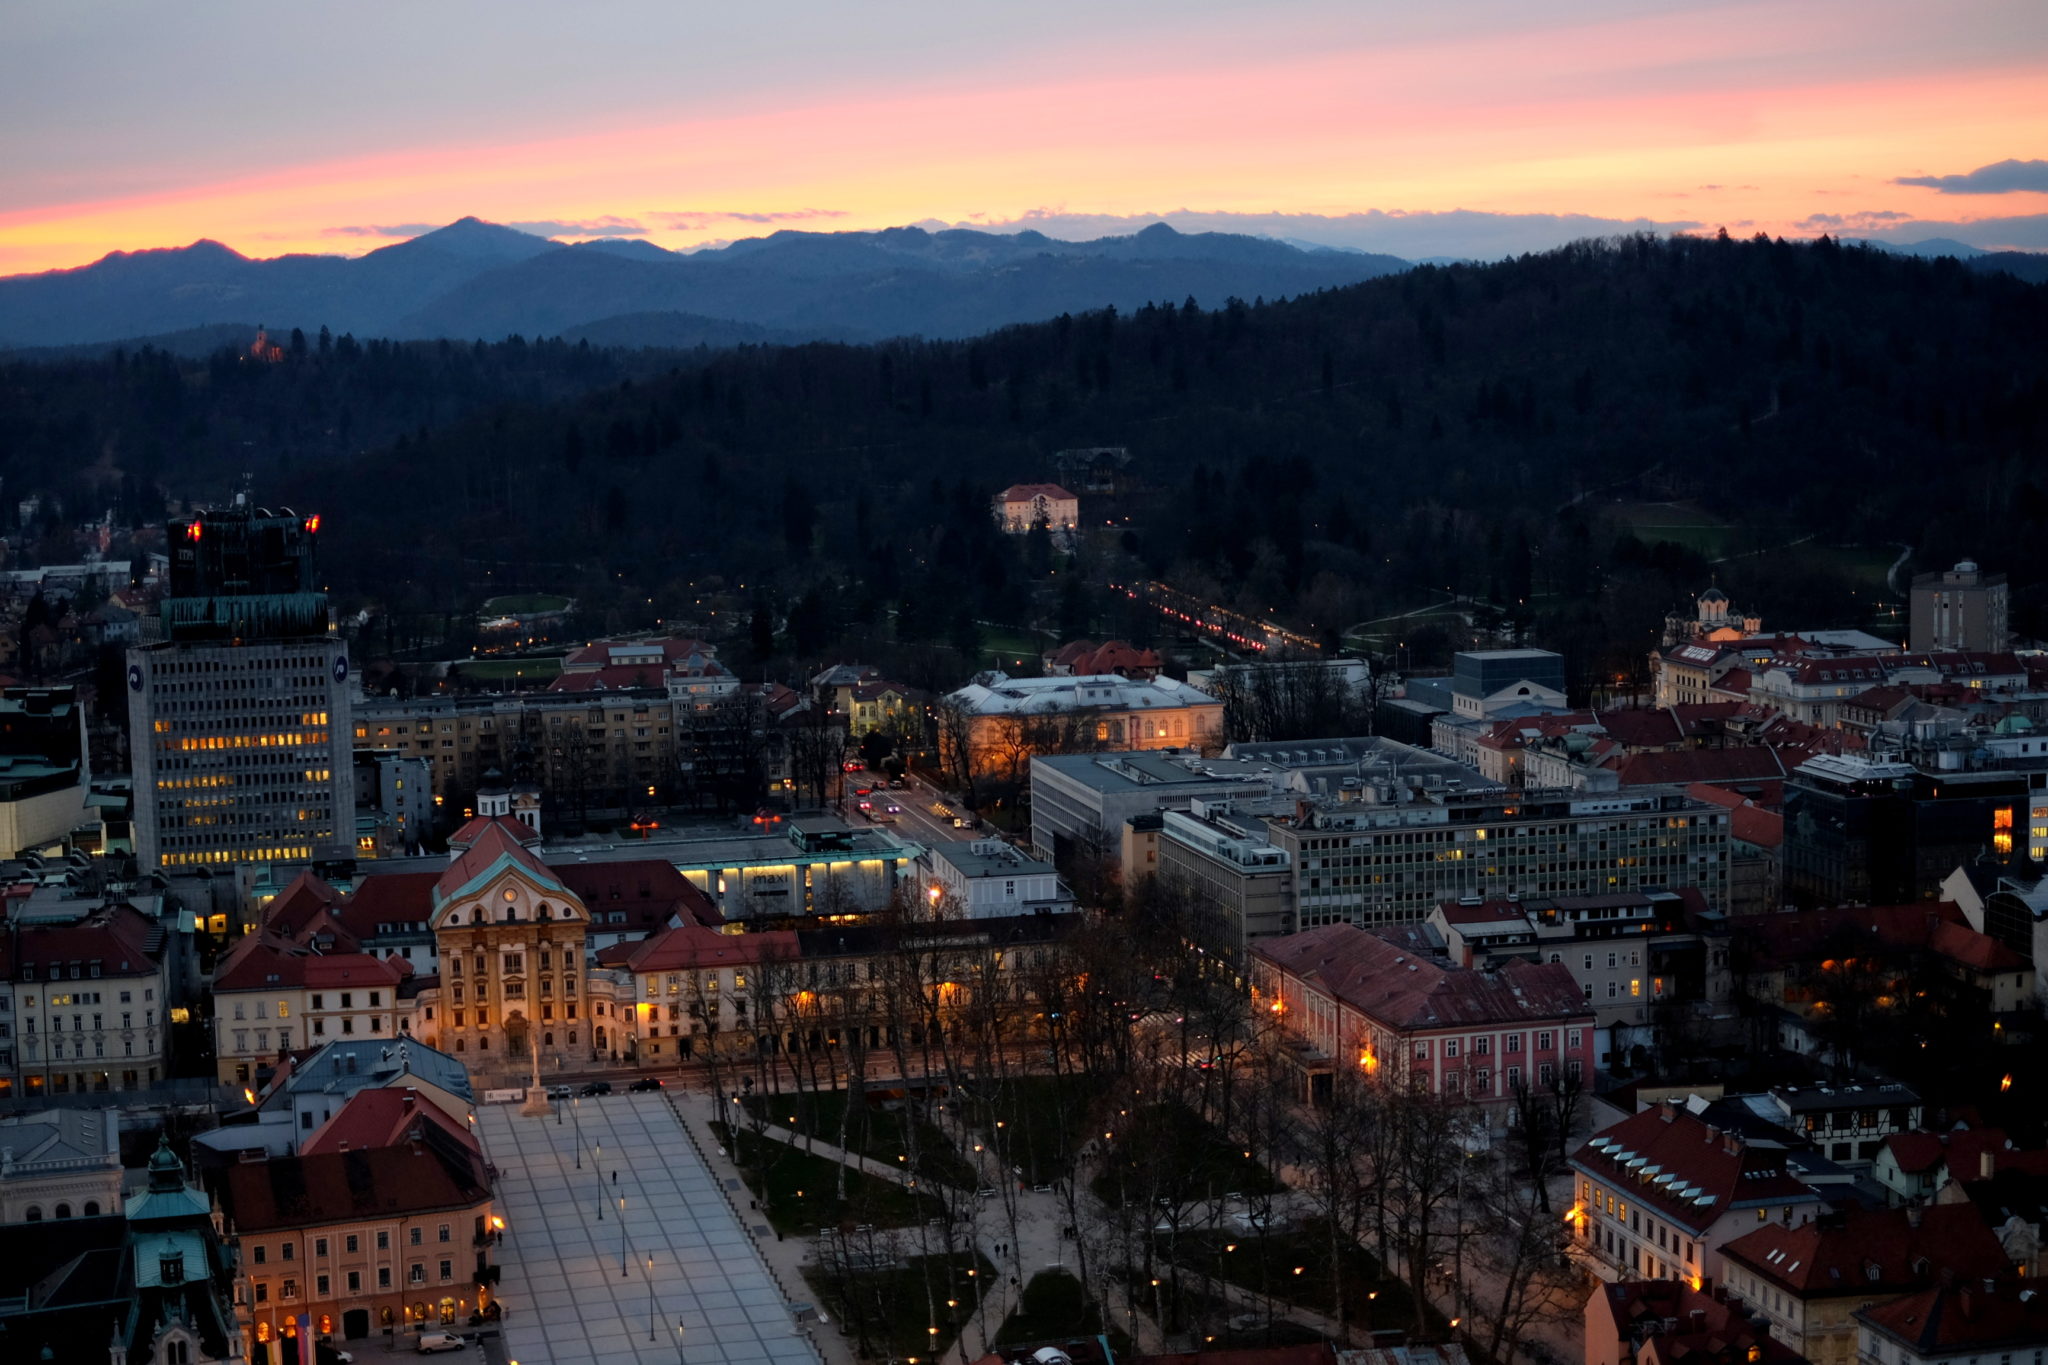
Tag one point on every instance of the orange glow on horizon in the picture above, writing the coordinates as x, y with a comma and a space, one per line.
1680, 116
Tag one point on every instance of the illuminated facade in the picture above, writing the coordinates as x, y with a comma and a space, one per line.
239, 720
511, 941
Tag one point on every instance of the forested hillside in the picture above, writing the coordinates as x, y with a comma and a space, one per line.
1801, 412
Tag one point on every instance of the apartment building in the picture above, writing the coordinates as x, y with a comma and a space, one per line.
270, 996
90, 1006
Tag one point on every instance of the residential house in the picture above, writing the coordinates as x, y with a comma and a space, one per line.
1809, 1279
270, 997
1638, 1322
1660, 1193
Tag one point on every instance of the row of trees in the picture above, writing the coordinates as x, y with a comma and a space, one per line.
1070, 1060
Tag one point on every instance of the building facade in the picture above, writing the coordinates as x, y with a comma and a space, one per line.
1378, 1002
239, 719
1960, 608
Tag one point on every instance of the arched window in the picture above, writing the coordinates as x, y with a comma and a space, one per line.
547, 1039
35, 1213
177, 1351
92, 1208
545, 912
63, 1210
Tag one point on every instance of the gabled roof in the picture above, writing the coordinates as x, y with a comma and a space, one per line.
383, 1117
1688, 1170
501, 845
337, 1187
1025, 492
649, 890
263, 962
389, 898
693, 948
1948, 1320
1862, 1251
1394, 985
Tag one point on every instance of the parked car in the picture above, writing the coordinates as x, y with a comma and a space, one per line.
596, 1088
645, 1083
561, 1092
1248, 1322
431, 1342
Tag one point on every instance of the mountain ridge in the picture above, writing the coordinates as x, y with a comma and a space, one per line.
474, 279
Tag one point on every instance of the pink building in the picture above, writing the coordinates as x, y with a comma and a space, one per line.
1380, 1001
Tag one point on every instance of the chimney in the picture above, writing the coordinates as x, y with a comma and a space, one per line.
1732, 1143
1986, 1163
1912, 1215
1667, 1109
411, 1097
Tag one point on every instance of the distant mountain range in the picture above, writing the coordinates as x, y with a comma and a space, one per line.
474, 279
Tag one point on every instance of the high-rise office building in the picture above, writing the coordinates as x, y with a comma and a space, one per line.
239, 718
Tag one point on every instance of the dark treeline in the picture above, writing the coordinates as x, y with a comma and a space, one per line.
1332, 457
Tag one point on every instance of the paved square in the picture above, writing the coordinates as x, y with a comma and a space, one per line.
566, 1302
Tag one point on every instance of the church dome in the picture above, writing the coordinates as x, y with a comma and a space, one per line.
1713, 595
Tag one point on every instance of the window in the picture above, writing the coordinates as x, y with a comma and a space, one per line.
413, 1236
258, 1254
288, 1250
1574, 1038
384, 1277
354, 1244
320, 1247
418, 1273
383, 1240
321, 1286
447, 1271
1545, 1040
288, 1290
355, 1282
443, 1233
1450, 1047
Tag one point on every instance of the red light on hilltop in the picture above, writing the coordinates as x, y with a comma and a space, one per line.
313, 524
191, 530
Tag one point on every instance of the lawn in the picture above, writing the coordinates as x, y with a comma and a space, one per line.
526, 604
1681, 523
890, 1312
1294, 1266
1037, 1123
871, 1131
1053, 1307
798, 1192
1166, 1151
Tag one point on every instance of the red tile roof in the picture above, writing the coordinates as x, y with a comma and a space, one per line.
394, 898
1709, 1171
1861, 1252
385, 1117
1025, 492
1952, 1319
1722, 1333
1399, 988
263, 962
1700, 765
118, 939
649, 890
340, 1187
692, 947
500, 837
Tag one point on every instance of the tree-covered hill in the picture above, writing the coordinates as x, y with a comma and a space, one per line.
1508, 432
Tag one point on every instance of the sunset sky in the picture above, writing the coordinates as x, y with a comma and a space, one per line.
1461, 127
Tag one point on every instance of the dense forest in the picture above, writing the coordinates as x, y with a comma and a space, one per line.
1506, 433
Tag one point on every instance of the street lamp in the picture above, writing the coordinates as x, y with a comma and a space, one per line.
597, 1160
650, 1297
622, 1236
679, 1345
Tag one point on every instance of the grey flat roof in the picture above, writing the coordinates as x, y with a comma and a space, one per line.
1144, 769
1008, 862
